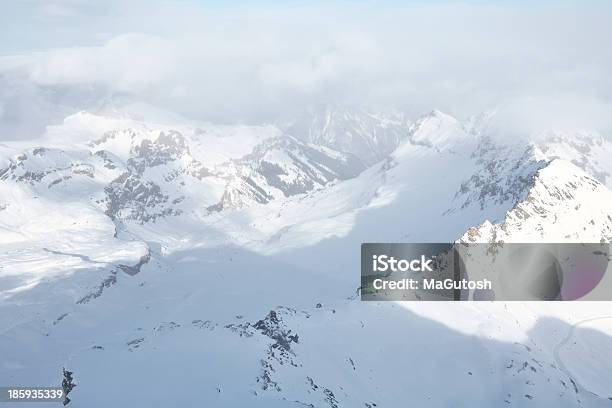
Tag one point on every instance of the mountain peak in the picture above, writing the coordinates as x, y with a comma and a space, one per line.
563, 204
436, 129
369, 137
435, 113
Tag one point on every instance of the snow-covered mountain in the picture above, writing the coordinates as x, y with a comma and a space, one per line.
369, 136
283, 167
563, 204
223, 261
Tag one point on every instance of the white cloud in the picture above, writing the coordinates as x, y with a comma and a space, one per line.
125, 63
537, 114
264, 63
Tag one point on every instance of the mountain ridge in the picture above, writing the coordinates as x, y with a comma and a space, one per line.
113, 262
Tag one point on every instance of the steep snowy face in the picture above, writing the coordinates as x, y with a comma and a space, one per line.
370, 137
505, 169
141, 172
502, 174
437, 130
37, 181
52, 225
283, 167
155, 169
165, 168
586, 149
564, 204
49, 167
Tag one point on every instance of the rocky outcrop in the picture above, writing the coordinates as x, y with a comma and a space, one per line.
503, 174
283, 167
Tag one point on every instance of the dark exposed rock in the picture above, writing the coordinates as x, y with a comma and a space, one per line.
37, 169
279, 352
240, 192
242, 329
105, 284
60, 318
132, 198
39, 151
311, 166
109, 162
134, 344
503, 175
67, 385
204, 324
167, 147
300, 169
166, 326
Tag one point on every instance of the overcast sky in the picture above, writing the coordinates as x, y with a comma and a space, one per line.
546, 63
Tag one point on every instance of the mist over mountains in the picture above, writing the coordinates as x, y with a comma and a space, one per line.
185, 188
541, 64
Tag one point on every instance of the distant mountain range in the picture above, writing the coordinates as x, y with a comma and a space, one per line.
147, 254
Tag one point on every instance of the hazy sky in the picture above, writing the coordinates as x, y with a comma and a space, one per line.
546, 63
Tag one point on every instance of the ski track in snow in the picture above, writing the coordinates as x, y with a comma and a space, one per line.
558, 348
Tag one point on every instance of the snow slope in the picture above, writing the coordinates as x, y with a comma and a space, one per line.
118, 263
